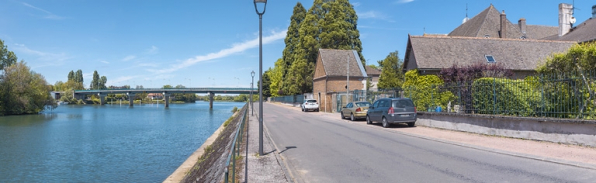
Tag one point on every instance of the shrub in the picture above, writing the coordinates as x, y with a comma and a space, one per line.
234, 109
505, 96
426, 91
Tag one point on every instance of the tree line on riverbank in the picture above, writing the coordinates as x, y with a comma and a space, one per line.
22, 91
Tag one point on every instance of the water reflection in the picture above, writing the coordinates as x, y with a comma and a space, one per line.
110, 143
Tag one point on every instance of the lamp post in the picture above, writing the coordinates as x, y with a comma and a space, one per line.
260, 71
252, 74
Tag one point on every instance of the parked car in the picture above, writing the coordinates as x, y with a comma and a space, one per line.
392, 110
355, 110
310, 105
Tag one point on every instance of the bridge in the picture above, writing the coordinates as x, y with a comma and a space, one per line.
165, 91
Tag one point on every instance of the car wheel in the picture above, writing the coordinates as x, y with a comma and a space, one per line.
411, 124
302, 109
368, 121
342, 115
352, 117
385, 124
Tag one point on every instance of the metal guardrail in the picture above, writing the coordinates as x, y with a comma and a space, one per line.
235, 150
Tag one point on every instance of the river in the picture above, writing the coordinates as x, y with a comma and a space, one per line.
109, 143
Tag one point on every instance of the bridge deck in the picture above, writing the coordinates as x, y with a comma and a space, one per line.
172, 90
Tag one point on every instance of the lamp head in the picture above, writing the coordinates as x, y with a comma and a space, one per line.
252, 73
264, 6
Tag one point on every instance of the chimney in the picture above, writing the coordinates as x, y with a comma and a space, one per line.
594, 11
565, 11
522, 25
503, 25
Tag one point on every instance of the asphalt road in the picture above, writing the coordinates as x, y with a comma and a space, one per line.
322, 148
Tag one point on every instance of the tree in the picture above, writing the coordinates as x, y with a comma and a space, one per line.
25, 91
266, 85
79, 76
98, 83
292, 39
7, 58
391, 75
276, 77
71, 76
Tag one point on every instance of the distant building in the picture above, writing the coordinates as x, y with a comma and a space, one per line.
374, 75
155, 96
331, 77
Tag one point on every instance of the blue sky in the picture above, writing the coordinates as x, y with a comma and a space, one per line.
206, 44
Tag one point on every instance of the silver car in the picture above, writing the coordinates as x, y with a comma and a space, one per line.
392, 110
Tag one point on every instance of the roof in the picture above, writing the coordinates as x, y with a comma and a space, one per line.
583, 32
540, 31
487, 22
372, 71
433, 53
334, 62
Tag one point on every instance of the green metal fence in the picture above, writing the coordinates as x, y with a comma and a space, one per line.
235, 149
558, 96
292, 99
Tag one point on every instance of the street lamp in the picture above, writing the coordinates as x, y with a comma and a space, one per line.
252, 74
260, 71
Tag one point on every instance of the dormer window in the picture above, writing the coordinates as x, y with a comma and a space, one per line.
490, 58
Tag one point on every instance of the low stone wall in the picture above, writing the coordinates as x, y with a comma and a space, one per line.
568, 131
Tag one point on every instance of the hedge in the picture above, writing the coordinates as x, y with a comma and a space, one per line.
505, 96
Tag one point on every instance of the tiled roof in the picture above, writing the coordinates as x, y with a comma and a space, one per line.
372, 71
540, 31
516, 54
487, 22
335, 62
583, 32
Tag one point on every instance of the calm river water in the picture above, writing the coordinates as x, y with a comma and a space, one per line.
110, 143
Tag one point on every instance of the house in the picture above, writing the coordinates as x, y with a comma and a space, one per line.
490, 37
336, 71
155, 96
429, 54
491, 24
374, 75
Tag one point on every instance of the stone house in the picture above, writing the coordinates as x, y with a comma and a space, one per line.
374, 75
330, 81
490, 37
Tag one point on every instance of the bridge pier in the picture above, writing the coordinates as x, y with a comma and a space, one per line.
102, 98
166, 96
131, 99
211, 94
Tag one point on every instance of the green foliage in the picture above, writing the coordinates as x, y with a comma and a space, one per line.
505, 96
574, 71
266, 84
7, 58
276, 76
425, 91
98, 83
392, 75
24, 91
292, 40
234, 109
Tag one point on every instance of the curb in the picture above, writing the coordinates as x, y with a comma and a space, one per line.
286, 167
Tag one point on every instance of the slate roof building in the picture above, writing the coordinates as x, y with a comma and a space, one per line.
374, 75
582, 33
331, 77
429, 54
491, 23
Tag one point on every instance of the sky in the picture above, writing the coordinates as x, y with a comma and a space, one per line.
199, 43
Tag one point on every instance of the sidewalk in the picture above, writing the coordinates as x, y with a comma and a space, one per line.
269, 167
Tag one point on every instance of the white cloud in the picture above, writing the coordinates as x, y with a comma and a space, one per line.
48, 59
153, 50
404, 1
118, 80
355, 4
236, 48
374, 15
129, 57
49, 15
105, 62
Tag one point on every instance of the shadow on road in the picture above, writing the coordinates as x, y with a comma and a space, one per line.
398, 125
287, 148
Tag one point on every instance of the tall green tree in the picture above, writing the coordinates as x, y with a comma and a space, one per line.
266, 85
392, 75
79, 76
276, 77
71, 76
7, 58
26, 92
292, 38
98, 83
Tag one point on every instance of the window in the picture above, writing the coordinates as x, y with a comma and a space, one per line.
362, 104
376, 104
403, 103
490, 58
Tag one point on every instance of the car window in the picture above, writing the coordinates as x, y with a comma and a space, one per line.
376, 104
403, 103
382, 103
349, 105
311, 101
362, 104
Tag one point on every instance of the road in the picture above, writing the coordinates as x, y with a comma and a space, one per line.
319, 147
